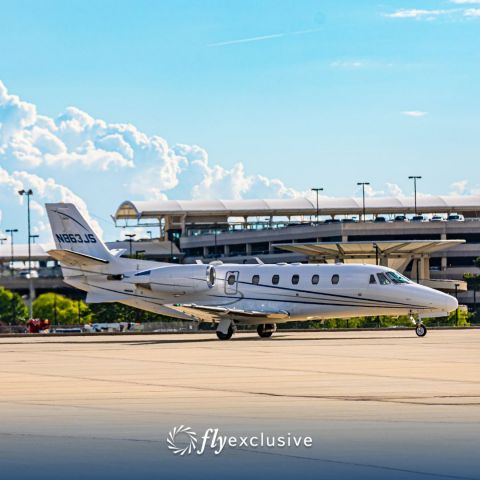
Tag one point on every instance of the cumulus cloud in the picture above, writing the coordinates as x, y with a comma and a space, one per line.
459, 188
414, 113
46, 190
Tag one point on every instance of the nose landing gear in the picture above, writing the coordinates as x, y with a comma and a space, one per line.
420, 328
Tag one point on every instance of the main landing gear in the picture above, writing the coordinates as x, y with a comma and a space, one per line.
420, 328
225, 330
265, 330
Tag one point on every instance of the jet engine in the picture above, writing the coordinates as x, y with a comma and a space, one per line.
176, 279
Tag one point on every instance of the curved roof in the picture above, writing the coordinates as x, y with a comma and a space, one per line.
297, 206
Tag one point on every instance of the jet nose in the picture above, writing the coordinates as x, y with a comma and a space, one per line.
451, 303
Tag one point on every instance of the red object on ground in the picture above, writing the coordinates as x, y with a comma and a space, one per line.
36, 326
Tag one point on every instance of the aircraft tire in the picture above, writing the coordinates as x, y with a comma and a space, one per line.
421, 330
225, 336
262, 333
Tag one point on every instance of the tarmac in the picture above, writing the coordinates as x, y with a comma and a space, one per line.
383, 404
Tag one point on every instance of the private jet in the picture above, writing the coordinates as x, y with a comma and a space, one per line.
229, 295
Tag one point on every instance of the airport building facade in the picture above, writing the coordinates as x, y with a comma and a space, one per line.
444, 230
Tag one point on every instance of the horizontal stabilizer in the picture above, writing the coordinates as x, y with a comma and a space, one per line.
69, 257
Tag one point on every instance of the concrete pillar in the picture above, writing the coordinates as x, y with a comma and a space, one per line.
248, 248
226, 250
424, 267
443, 260
344, 238
205, 251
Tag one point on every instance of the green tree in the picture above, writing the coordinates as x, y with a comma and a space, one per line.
473, 282
61, 310
12, 307
117, 312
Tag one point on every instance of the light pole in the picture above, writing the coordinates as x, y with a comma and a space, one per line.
2, 240
33, 237
11, 231
456, 296
316, 190
363, 196
28, 193
150, 233
415, 178
130, 239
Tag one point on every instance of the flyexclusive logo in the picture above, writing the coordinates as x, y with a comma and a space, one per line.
183, 440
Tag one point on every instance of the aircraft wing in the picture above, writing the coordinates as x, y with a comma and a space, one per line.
209, 313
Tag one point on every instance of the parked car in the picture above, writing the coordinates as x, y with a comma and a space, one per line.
437, 218
400, 218
418, 218
349, 220
455, 217
380, 219
332, 220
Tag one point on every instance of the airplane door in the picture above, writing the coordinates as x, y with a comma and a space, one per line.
231, 283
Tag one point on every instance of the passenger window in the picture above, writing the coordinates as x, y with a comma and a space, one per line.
315, 279
372, 279
256, 279
383, 280
231, 279
295, 279
275, 279
335, 279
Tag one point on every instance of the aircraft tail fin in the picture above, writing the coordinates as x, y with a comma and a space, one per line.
73, 234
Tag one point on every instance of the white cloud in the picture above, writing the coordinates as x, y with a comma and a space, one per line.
425, 14
414, 113
459, 187
472, 12
394, 189
420, 13
44, 189
348, 64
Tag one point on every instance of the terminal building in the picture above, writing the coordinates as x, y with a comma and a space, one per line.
434, 241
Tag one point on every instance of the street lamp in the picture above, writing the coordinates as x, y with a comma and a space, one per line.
316, 190
456, 296
33, 237
415, 178
11, 231
130, 239
28, 193
2, 240
150, 233
363, 196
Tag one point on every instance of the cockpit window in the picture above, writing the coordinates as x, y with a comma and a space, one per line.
372, 279
382, 279
396, 277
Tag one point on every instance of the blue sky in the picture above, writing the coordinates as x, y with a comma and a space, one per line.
250, 98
